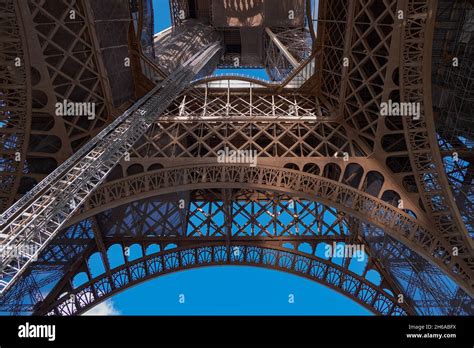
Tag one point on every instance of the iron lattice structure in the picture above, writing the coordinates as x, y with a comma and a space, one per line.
330, 168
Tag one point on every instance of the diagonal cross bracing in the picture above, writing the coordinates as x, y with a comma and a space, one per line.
29, 225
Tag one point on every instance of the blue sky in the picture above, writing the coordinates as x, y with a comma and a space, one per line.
227, 290
233, 290
162, 19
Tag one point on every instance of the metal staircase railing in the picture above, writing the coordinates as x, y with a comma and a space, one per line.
29, 225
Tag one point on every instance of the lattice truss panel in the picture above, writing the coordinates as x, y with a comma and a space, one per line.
368, 35
272, 125
355, 42
64, 66
253, 214
199, 104
72, 64
430, 290
121, 220
179, 11
14, 103
297, 158
453, 99
297, 42
421, 137
367, 79
221, 226
332, 27
460, 174
268, 139
177, 46
358, 70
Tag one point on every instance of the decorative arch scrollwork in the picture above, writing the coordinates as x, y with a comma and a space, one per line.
357, 288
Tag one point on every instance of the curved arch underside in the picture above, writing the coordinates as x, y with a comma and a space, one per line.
397, 223
276, 221
395, 65
229, 217
148, 267
230, 77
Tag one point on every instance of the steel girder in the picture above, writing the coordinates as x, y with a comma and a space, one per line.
369, 36
38, 216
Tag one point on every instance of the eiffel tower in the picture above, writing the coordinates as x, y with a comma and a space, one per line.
178, 168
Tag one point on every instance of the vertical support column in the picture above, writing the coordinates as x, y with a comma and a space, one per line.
102, 71
251, 100
227, 201
347, 51
204, 109
227, 105
101, 248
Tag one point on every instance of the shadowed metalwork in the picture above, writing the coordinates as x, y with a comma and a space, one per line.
329, 168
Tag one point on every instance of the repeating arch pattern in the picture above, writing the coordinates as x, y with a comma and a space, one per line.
350, 284
391, 158
401, 225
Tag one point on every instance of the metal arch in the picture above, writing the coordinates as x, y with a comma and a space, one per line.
421, 134
151, 266
395, 222
368, 125
428, 288
235, 77
454, 91
410, 36
201, 222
